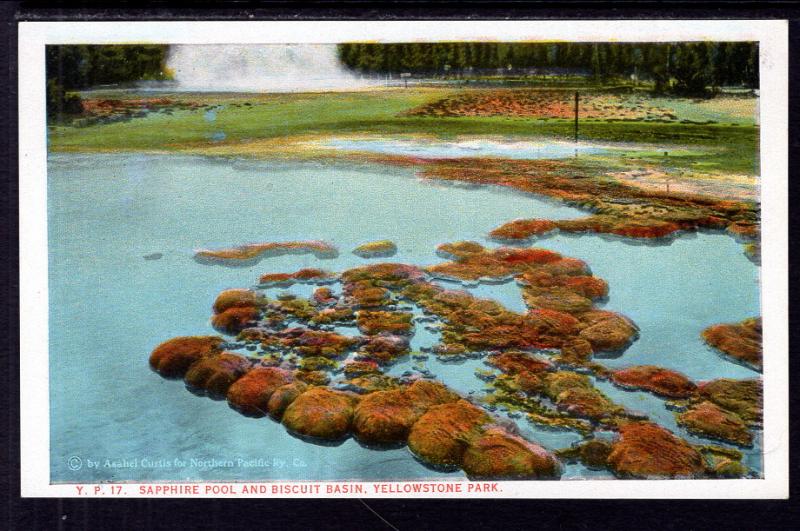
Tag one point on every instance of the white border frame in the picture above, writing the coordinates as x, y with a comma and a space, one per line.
773, 38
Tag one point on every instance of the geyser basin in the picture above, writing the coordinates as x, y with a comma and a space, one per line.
433, 149
110, 307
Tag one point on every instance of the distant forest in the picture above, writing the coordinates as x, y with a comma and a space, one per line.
679, 68
675, 67
75, 67
82, 66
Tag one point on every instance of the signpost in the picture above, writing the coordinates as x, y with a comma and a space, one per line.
405, 76
577, 101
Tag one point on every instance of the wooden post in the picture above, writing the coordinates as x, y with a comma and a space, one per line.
577, 100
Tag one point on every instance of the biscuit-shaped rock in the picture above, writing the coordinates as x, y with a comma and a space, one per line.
250, 394
320, 413
172, 358
444, 432
215, 374
497, 454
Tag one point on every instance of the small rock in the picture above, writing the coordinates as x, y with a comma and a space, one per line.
376, 249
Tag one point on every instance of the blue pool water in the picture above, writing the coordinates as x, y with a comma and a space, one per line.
546, 149
109, 306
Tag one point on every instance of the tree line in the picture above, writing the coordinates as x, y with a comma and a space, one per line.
680, 68
75, 67
686, 67
82, 66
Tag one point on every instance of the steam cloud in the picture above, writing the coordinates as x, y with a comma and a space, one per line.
260, 68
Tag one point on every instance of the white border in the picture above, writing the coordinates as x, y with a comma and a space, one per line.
773, 39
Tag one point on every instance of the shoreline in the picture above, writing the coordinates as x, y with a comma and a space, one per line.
614, 204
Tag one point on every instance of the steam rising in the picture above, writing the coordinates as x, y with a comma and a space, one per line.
259, 68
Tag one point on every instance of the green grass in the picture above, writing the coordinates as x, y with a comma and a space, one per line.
719, 146
275, 116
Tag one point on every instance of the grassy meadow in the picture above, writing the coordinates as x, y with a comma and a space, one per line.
712, 136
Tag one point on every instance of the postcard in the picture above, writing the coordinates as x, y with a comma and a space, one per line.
404, 259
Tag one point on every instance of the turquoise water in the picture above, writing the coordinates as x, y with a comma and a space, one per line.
109, 306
